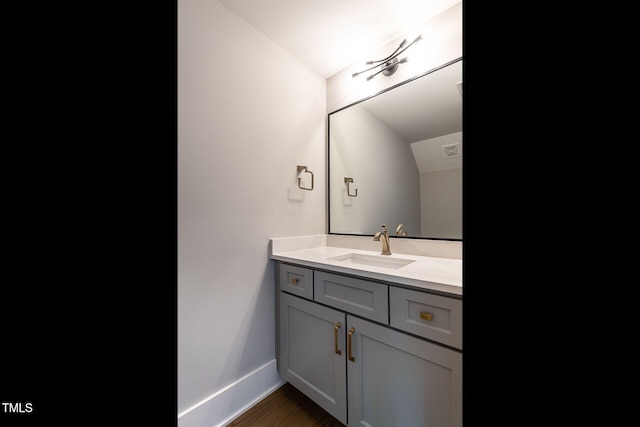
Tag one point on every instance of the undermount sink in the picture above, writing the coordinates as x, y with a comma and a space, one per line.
372, 260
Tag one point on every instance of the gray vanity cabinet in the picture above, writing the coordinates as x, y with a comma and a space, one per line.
339, 347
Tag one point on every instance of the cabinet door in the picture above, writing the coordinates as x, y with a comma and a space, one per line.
311, 336
399, 380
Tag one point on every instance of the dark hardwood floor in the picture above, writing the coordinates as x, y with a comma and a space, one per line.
286, 407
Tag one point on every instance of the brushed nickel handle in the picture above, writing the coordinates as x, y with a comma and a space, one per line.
335, 338
426, 316
351, 331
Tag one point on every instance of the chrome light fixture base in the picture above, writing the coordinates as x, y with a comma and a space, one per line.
390, 67
390, 64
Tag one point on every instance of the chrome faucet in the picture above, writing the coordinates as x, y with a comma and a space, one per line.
383, 236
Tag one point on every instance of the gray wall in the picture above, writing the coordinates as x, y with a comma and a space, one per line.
248, 114
441, 203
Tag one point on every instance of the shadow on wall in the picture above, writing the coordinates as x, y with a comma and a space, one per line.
257, 330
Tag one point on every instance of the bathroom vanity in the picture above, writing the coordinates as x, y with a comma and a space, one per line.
374, 340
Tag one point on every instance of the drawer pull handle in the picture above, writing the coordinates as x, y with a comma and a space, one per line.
335, 338
426, 316
351, 331
294, 280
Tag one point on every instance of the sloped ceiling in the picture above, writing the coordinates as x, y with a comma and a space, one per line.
330, 35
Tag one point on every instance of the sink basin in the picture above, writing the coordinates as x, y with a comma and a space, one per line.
372, 260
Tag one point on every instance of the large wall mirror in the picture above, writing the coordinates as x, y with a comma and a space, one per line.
396, 158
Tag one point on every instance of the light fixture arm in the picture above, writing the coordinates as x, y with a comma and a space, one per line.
364, 71
390, 56
390, 64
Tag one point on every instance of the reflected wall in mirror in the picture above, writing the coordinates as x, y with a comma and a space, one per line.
402, 151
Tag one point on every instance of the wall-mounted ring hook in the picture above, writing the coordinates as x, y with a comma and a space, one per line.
347, 181
304, 169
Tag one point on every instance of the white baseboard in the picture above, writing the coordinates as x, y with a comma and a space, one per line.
225, 405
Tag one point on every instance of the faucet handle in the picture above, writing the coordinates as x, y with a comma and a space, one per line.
384, 227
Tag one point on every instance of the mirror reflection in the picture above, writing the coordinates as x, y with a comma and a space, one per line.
396, 158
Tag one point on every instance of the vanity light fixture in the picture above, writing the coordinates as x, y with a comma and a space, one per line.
391, 63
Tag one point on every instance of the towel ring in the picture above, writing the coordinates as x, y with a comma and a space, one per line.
304, 169
347, 181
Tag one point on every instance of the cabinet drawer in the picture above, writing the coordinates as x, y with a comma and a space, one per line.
360, 297
296, 280
430, 316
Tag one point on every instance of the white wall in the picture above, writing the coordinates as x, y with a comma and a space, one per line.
248, 114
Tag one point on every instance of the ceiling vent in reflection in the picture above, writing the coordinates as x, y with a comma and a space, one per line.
451, 150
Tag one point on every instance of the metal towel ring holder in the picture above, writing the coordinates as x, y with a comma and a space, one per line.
304, 169
347, 181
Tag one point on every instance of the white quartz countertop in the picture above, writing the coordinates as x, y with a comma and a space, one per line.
425, 272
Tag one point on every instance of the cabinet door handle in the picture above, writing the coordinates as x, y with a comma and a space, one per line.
351, 331
426, 316
294, 280
335, 338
